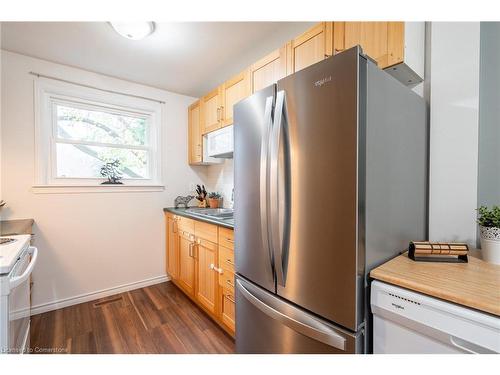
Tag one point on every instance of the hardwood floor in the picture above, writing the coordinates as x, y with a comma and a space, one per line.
155, 319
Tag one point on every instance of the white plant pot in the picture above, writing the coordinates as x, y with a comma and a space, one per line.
490, 244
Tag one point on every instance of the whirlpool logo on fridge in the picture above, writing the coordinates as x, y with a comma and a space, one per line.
322, 81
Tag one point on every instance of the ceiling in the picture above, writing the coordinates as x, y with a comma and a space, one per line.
189, 58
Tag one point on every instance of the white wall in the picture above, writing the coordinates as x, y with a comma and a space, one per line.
90, 241
489, 116
1, 196
454, 105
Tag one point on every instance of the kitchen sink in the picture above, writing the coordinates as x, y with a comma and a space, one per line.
219, 213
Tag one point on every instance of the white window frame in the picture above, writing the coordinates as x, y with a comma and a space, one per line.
49, 93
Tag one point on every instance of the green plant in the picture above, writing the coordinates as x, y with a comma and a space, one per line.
111, 170
214, 195
489, 217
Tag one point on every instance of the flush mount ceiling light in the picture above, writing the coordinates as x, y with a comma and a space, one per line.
133, 30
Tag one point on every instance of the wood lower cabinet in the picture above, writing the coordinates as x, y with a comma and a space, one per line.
186, 275
206, 292
228, 309
172, 246
201, 267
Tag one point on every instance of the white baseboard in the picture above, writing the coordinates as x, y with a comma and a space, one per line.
65, 302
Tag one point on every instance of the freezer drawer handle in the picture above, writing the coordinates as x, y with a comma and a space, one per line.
319, 331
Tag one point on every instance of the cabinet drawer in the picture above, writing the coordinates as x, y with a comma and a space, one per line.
226, 237
208, 244
184, 223
228, 309
226, 281
226, 258
205, 231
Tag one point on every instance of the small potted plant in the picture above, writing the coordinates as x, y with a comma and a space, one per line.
214, 200
489, 229
111, 171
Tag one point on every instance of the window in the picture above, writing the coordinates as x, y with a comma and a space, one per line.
79, 129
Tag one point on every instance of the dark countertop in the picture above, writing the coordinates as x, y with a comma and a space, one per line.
185, 212
19, 226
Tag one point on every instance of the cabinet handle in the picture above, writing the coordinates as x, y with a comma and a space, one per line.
336, 50
174, 226
230, 262
222, 112
218, 270
230, 283
229, 297
191, 250
218, 113
229, 239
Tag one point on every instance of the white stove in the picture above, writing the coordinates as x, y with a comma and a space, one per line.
17, 261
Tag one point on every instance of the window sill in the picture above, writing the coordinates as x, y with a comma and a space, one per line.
77, 189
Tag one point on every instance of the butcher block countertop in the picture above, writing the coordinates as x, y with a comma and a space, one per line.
475, 284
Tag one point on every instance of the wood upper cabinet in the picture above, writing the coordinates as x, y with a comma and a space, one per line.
311, 47
211, 111
382, 41
172, 246
268, 70
186, 274
217, 105
233, 90
206, 291
195, 151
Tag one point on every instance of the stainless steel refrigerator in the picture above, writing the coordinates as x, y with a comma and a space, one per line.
330, 169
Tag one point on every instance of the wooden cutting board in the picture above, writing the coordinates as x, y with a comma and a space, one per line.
475, 284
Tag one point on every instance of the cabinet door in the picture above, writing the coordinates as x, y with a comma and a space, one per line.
194, 134
172, 247
268, 70
312, 46
233, 91
382, 41
228, 309
186, 277
211, 111
206, 291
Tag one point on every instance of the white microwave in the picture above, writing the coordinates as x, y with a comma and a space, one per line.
220, 143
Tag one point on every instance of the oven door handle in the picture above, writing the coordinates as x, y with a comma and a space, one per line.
18, 280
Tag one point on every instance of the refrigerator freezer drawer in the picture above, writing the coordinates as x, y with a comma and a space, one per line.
267, 324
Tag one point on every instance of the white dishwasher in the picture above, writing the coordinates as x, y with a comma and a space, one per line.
408, 322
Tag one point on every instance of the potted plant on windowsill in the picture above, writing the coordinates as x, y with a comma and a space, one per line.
214, 200
489, 229
111, 171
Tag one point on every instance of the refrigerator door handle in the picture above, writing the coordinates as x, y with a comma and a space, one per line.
264, 177
294, 319
279, 242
